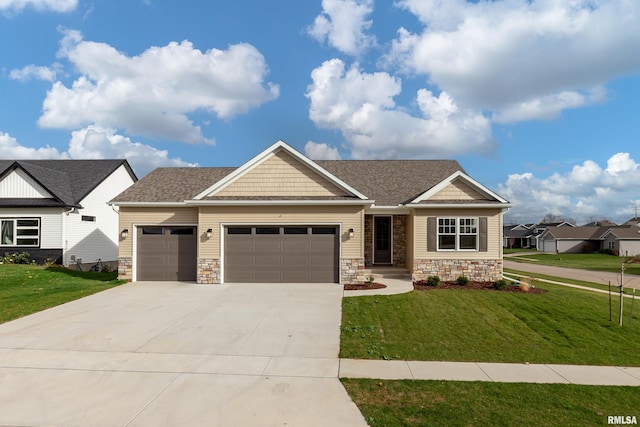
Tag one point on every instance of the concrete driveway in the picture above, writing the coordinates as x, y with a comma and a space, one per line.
178, 354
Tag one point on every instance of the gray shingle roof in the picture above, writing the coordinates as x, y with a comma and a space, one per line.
388, 182
69, 181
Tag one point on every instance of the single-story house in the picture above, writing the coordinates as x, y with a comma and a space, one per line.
590, 239
57, 209
518, 236
624, 240
282, 217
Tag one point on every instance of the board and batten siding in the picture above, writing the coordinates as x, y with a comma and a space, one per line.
281, 175
130, 216
346, 216
51, 227
19, 185
494, 233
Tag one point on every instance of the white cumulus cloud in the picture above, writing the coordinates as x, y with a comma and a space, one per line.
587, 191
31, 72
521, 59
317, 151
361, 105
11, 149
152, 94
343, 24
54, 5
95, 142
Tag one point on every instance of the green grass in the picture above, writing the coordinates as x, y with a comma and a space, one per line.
563, 325
614, 287
450, 403
26, 289
595, 261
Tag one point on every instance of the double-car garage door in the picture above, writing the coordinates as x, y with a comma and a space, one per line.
264, 253
287, 254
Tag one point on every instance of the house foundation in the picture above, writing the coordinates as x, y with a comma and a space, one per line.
450, 269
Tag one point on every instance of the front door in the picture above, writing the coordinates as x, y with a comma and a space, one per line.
382, 240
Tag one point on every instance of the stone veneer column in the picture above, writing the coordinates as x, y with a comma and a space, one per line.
483, 270
352, 270
368, 240
399, 240
208, 270
125, 268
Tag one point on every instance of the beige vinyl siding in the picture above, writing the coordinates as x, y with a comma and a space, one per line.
281, 175
494, 233
457, 190
348, 216
130, 216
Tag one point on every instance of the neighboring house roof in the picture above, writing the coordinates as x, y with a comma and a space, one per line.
601, 223
623, 233
510, 231
581, 233
67, 181
387, 182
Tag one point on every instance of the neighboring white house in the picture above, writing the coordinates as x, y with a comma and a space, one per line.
57, 209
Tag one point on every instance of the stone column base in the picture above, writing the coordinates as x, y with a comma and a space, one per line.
125, 268
208, 270
352, 270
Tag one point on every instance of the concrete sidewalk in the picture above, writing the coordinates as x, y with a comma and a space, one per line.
493, 372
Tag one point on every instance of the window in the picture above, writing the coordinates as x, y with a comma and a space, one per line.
88, 218
267, 230
20, 232
295, 230
152, 230
323, 230
239, 230
611, 245
458, 234
181, 231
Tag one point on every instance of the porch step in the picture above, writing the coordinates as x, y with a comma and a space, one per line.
388, 273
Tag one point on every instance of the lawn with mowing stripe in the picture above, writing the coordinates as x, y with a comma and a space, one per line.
594, 261
564, 326
26, 289
450, 403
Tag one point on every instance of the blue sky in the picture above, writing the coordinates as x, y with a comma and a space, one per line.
536, 99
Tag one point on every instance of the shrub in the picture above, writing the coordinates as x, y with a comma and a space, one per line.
433, 281
501, 284
462, 281
16, 258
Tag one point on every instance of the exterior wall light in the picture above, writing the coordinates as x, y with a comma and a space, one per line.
124, 233
351, 232
209, 232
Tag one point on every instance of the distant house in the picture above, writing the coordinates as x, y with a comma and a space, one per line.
57, 209
518, 236
626, 241
538, 229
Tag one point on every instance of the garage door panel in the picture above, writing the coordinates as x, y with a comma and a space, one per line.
290, 254
166, 253
267, 244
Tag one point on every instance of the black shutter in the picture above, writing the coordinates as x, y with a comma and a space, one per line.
432, 225
482, 234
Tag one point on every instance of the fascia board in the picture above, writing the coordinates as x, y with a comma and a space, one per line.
275, 202
462, 205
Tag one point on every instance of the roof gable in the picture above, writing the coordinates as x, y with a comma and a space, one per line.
459, 186
280, 171
18, 184
67, 181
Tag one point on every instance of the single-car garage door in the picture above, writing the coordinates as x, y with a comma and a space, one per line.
166, 253
287, 254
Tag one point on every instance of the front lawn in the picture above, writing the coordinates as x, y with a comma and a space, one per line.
595, 261
564, 326
26, 289
450, 403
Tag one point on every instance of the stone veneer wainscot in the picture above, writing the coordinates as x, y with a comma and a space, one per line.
125, 268
352, 270
450, 269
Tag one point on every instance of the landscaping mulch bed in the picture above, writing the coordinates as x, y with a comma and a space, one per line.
363, 286
421, 285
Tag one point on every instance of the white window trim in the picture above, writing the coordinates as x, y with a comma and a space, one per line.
16, 227
458, 234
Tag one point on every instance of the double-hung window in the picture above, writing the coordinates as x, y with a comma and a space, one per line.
20, 232
458, 234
